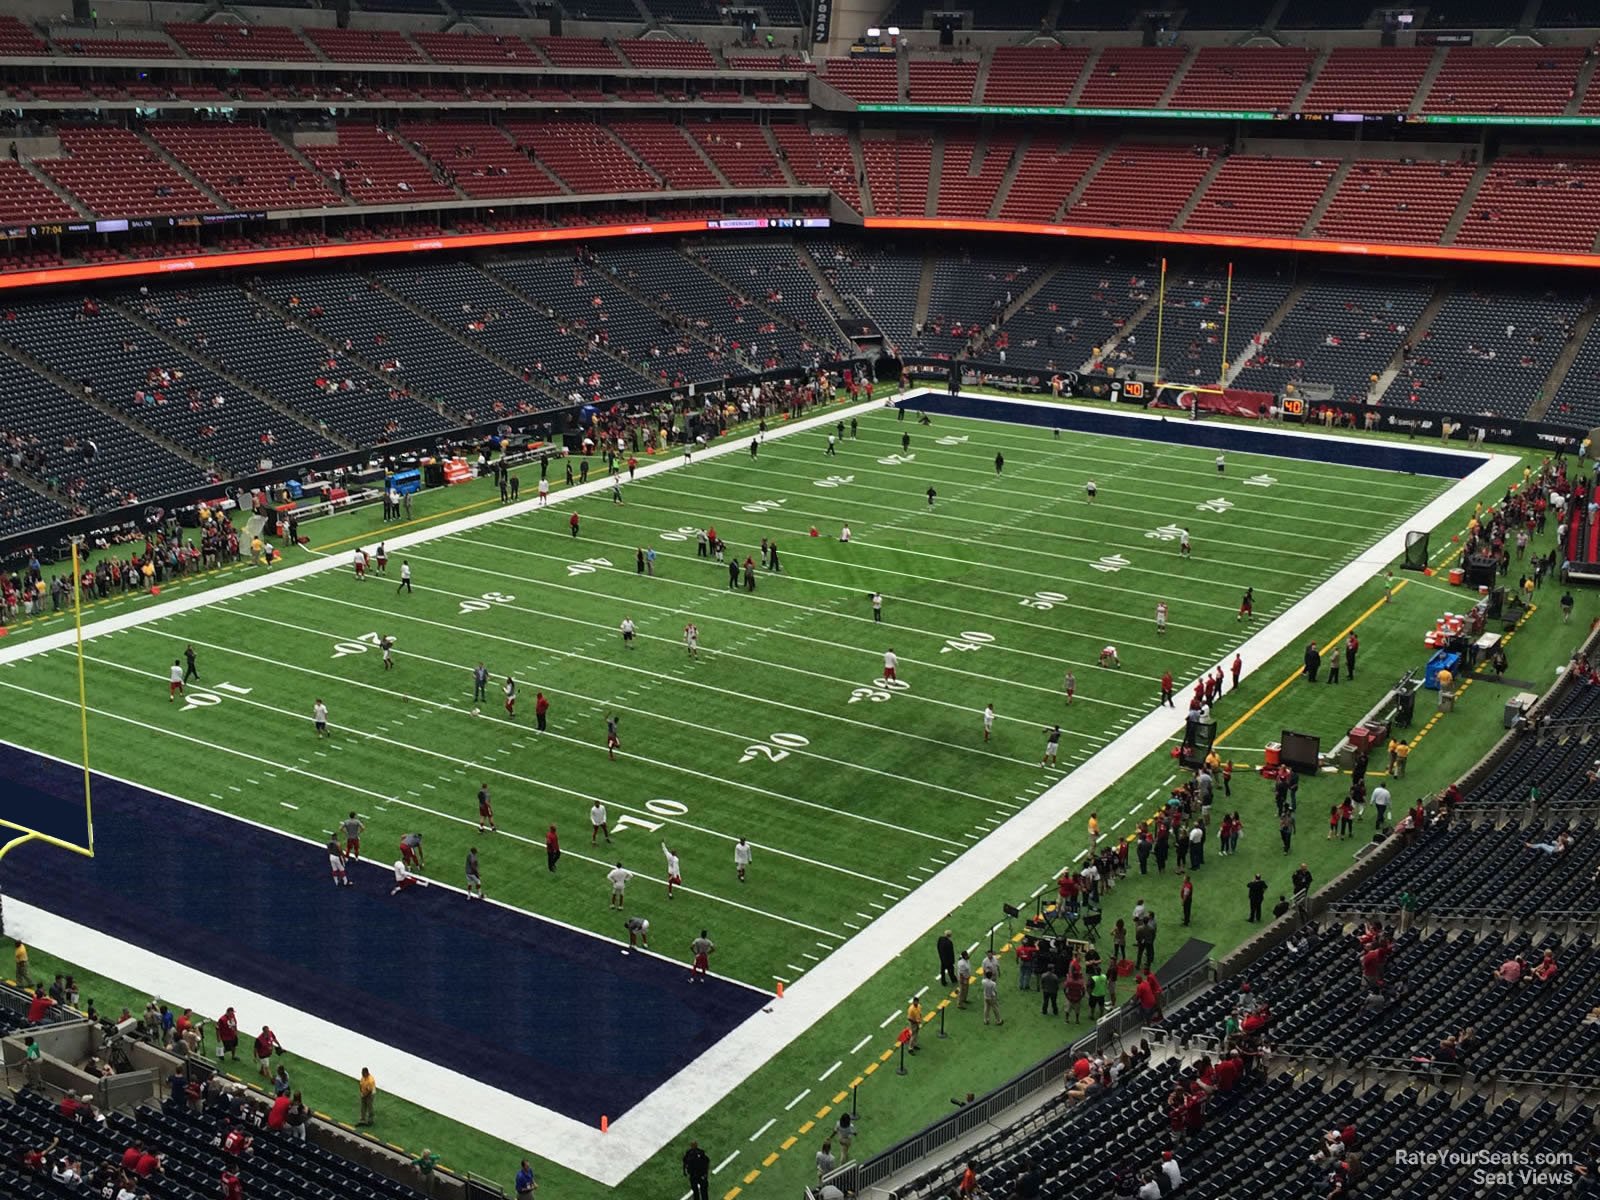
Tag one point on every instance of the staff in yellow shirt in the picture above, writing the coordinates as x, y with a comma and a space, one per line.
369, 1089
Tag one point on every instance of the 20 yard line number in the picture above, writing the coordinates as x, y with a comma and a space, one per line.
775, 749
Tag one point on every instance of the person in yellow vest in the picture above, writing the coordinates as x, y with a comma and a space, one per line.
369, 1088
149, 572
20, 955
914, 1023
1402, 751
1445, 680
255, 549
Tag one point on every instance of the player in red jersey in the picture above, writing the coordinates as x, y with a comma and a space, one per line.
1247, 605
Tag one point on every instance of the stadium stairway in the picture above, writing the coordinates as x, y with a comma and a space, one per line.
930, 205
919, 314
109, 411
25, 161
1414, 336
1425, 85
1200, 188
1176, 81
270, 303
868, 206
1581, 90
1003, 188
1335, 182
1564, 361
711, 163
1312, 72
1084, 75
1083, 183
1241, 360
182, 168
717, 261
831, 299
779, 156
1464, 205
506, 279
416, 310
287, 411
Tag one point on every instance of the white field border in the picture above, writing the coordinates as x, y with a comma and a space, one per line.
667, 1112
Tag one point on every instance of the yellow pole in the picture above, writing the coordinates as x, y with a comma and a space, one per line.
15, 842
1161, 316
1227, 312
83, 694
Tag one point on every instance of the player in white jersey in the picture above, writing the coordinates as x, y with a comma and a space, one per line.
619, 884
544, 492
741, 858
988, 720
1161, 616
890, 665
674, 875
360, 564
691, 639
627, 632
598, 824
1183, 543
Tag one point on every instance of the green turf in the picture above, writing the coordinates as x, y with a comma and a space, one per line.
885, 788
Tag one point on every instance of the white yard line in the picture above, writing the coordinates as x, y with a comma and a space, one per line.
662, 1116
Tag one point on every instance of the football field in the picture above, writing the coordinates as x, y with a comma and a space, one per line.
852, 789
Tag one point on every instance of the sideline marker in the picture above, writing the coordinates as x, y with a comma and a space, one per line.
605, 1124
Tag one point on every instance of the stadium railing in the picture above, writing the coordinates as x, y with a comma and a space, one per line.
47, 540
854, 1177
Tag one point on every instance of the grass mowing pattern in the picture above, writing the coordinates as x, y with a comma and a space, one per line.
791, 653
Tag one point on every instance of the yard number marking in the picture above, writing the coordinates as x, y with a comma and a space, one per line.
489, 600
211, 699
367, 641
833, 481
878, 691
587, 566
1110, 562
967, 641
784, 742
1044, 601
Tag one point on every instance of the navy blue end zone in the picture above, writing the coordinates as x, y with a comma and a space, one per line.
47, 802
1378, 454
549, 1014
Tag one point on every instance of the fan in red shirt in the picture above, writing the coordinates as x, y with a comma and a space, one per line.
228, 1033
148, 1165
232, 1189
131, 1157
235, 1141
39, 1006
278, 1114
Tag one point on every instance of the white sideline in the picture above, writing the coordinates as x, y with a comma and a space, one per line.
668, 1111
